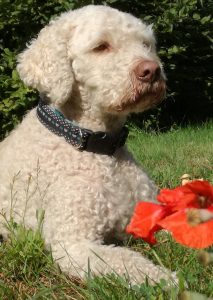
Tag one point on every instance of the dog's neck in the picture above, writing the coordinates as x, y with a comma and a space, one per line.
81, 138
92, 119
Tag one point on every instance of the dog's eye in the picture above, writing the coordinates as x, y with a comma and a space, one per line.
146, 45
102, 47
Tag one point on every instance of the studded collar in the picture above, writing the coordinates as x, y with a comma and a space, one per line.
82, 139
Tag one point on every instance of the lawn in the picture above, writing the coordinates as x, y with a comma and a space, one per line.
27, 270
167, 156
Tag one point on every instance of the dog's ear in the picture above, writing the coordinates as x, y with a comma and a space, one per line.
44, 65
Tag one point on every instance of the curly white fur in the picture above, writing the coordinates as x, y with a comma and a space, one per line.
83, 63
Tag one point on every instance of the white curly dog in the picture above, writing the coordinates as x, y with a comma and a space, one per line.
92, 66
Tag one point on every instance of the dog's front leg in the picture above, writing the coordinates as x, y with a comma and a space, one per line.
77, 258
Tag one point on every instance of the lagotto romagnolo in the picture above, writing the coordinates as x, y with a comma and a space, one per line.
92, 66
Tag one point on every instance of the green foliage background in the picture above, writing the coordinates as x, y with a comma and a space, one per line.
184, 42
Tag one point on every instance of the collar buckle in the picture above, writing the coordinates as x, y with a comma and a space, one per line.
105, 143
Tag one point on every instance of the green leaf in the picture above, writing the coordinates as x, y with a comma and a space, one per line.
206, 19
196, 16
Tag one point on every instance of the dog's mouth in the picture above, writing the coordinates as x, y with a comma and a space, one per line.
141, 97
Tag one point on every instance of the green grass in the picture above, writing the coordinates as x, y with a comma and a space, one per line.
27, 269
167, 156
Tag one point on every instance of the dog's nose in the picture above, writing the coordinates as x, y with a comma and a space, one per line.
147, 71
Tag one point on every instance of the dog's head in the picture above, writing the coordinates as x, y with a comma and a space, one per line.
106, 56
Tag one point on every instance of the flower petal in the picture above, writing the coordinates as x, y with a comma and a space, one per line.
179, 196
200, 236
195, 194
201, 188
144, 220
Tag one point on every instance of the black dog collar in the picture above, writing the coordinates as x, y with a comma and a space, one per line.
81, 138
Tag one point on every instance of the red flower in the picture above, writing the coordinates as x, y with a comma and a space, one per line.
200, 236
144, 221
172, 215
197, 194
